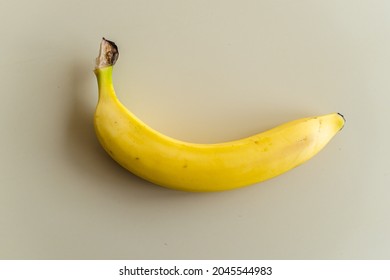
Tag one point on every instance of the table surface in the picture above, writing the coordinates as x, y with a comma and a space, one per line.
201, 71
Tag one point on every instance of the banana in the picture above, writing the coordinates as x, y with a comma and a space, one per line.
185, 166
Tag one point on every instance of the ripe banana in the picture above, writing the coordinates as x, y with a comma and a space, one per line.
201, 167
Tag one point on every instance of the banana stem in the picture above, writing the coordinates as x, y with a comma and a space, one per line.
104, 78
108, 54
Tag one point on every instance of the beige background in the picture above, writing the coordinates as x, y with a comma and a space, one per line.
203, 71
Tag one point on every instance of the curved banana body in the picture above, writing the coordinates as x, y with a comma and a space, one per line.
204, 167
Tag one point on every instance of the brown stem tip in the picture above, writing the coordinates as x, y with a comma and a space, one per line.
108, 54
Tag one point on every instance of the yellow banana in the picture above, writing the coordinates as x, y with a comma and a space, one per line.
201, 167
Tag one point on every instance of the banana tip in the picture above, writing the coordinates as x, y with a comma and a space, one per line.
108, 54
341, 116
344, 120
